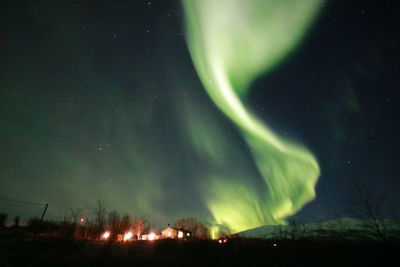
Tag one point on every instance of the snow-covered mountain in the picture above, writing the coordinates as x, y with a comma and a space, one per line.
321, 229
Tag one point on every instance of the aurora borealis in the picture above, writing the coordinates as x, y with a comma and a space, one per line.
237, 112
230, 51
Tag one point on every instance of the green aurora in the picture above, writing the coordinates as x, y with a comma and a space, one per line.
233, 42
101, 100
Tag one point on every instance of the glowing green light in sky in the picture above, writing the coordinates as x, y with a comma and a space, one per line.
232, 42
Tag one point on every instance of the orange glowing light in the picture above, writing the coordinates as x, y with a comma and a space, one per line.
128, 236
152, 236
105, 235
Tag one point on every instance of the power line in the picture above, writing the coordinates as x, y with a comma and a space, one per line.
22, 202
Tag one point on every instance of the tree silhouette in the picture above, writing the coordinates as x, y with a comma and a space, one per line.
140, 226
3, 219
191, 224
100, 214
367, 204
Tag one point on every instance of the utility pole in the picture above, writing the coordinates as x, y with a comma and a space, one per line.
44, 212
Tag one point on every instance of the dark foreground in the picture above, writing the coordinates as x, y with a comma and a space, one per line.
56, 252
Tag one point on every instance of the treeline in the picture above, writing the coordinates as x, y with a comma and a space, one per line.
339, 229
76, 226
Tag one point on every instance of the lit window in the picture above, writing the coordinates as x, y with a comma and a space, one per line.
187, 234
169, 234
180, 234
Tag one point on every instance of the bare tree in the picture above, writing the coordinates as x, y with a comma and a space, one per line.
140, 226
126, 222
16, 221
202, 232
191, 224
187, 223
3, 219
394, 227
100, 213
367, 205
114, 222
74, 215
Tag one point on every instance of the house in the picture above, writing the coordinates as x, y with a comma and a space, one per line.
176, 233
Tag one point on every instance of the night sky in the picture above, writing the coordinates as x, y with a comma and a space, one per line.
99, 100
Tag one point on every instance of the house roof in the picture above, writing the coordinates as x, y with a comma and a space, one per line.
177, 229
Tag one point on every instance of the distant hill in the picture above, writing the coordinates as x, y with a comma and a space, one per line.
351, 227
